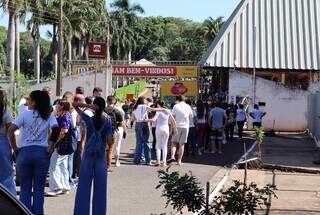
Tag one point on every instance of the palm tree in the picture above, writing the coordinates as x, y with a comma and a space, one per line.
124, 17
212, 27
10, 7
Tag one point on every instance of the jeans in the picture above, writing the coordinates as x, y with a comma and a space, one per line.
70, 168
59, 174
142, 145
6, 162
192, 141
33, 164
92, 170
240, 128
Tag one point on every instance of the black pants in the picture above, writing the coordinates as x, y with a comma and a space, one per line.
154, 140
191, 147
240, 128
229, 130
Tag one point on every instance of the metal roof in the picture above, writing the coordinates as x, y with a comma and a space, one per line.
287, 36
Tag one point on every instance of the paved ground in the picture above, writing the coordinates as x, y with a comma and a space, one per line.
298, 193
296, 150
131, 189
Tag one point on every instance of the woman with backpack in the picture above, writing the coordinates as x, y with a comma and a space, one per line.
33, 154
92, 169
59, 174
6, 159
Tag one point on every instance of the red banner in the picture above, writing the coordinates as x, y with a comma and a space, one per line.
144, 70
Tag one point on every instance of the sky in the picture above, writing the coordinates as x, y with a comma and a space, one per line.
196, 10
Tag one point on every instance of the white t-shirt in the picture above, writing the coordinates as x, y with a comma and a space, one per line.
241, 115
88, 112
257, 114
162, 118
34, 131
6, 118
141, 113
183, 114
194, 115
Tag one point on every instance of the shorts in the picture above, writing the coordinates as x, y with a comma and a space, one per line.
181, 136
216, 135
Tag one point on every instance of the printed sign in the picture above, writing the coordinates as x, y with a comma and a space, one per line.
171, 89
97, 50
175, 88
142, 71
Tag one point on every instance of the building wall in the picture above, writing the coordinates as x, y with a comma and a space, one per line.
287, 109
87, 81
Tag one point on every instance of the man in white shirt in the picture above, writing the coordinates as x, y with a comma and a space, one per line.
257, 115
182, 113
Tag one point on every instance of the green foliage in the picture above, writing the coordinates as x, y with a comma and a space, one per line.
169, 38
181, 191
22, 86
259, 138
259, 135
243, 199
240, 198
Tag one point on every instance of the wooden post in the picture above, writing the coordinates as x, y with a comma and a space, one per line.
245, 164
207, 197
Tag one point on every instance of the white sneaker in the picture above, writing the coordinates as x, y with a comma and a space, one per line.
118, 164
53, 193
66, 192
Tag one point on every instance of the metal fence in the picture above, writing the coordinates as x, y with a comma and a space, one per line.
313, 116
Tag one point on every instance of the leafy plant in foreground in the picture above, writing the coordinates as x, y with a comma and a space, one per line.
181, 191
243, 199
240, 198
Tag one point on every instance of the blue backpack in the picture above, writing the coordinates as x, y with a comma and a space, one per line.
95, 146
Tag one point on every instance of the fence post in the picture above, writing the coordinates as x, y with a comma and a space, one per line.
207, 197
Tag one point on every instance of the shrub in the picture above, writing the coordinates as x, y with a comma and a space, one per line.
181, 191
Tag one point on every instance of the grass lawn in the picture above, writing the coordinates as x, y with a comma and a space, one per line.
135, 89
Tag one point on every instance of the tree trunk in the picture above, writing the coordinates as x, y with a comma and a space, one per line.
69, 44
17, 41
81, 49
129, 57
11, 43
55, 50
36, 48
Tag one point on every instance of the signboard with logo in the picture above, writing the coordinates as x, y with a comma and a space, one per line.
141, 71
97, 50
170, 89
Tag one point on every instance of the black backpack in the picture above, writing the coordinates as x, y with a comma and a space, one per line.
112, 118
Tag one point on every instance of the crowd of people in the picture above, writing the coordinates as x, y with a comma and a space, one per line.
75, 138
